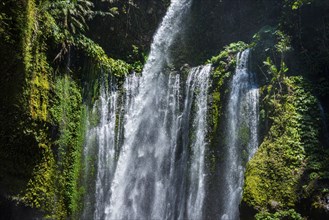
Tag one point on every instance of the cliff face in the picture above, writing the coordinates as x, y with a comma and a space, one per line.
134, 24
214, 24
45, 65
44, 101
288, 174
210, 26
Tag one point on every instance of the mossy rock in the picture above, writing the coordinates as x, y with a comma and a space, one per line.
284, 159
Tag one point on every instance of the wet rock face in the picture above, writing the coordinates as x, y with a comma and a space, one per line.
134, 24
10, 210
216, 23
211, 25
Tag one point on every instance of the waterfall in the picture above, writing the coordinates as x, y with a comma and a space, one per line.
241, 134
140, 185
146, 142
106, 150
101, 141
324, 124
149, 179
160, 173
150, 141
200, 78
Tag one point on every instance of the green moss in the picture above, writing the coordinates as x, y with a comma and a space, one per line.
39, 86
215, 109
27, 33
68, 113
289, 215
77, 189
41, 192
54, 185
118, 68
275, 173
227, 55
50, 127
224, 67
44, 118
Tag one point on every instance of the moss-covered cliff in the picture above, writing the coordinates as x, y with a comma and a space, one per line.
288, 176
51, 69
42, 108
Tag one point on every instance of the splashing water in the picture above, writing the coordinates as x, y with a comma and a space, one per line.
150, 141
242, 134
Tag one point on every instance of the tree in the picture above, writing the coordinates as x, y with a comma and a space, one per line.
70, 16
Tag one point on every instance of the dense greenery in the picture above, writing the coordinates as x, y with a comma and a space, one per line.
290, 169
274, 175
224, 66
51, 68
42, 144
287, 178
289, 214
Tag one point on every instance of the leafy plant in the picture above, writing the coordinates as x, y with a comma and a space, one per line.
68, 19
277, 74
70, 16
299, 3
290, 214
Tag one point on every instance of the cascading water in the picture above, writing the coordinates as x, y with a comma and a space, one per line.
140, 187
149, 146
106, 149
200, 79
161, 179
324, 122
157, 171
101, 140
151, 167
241, 134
